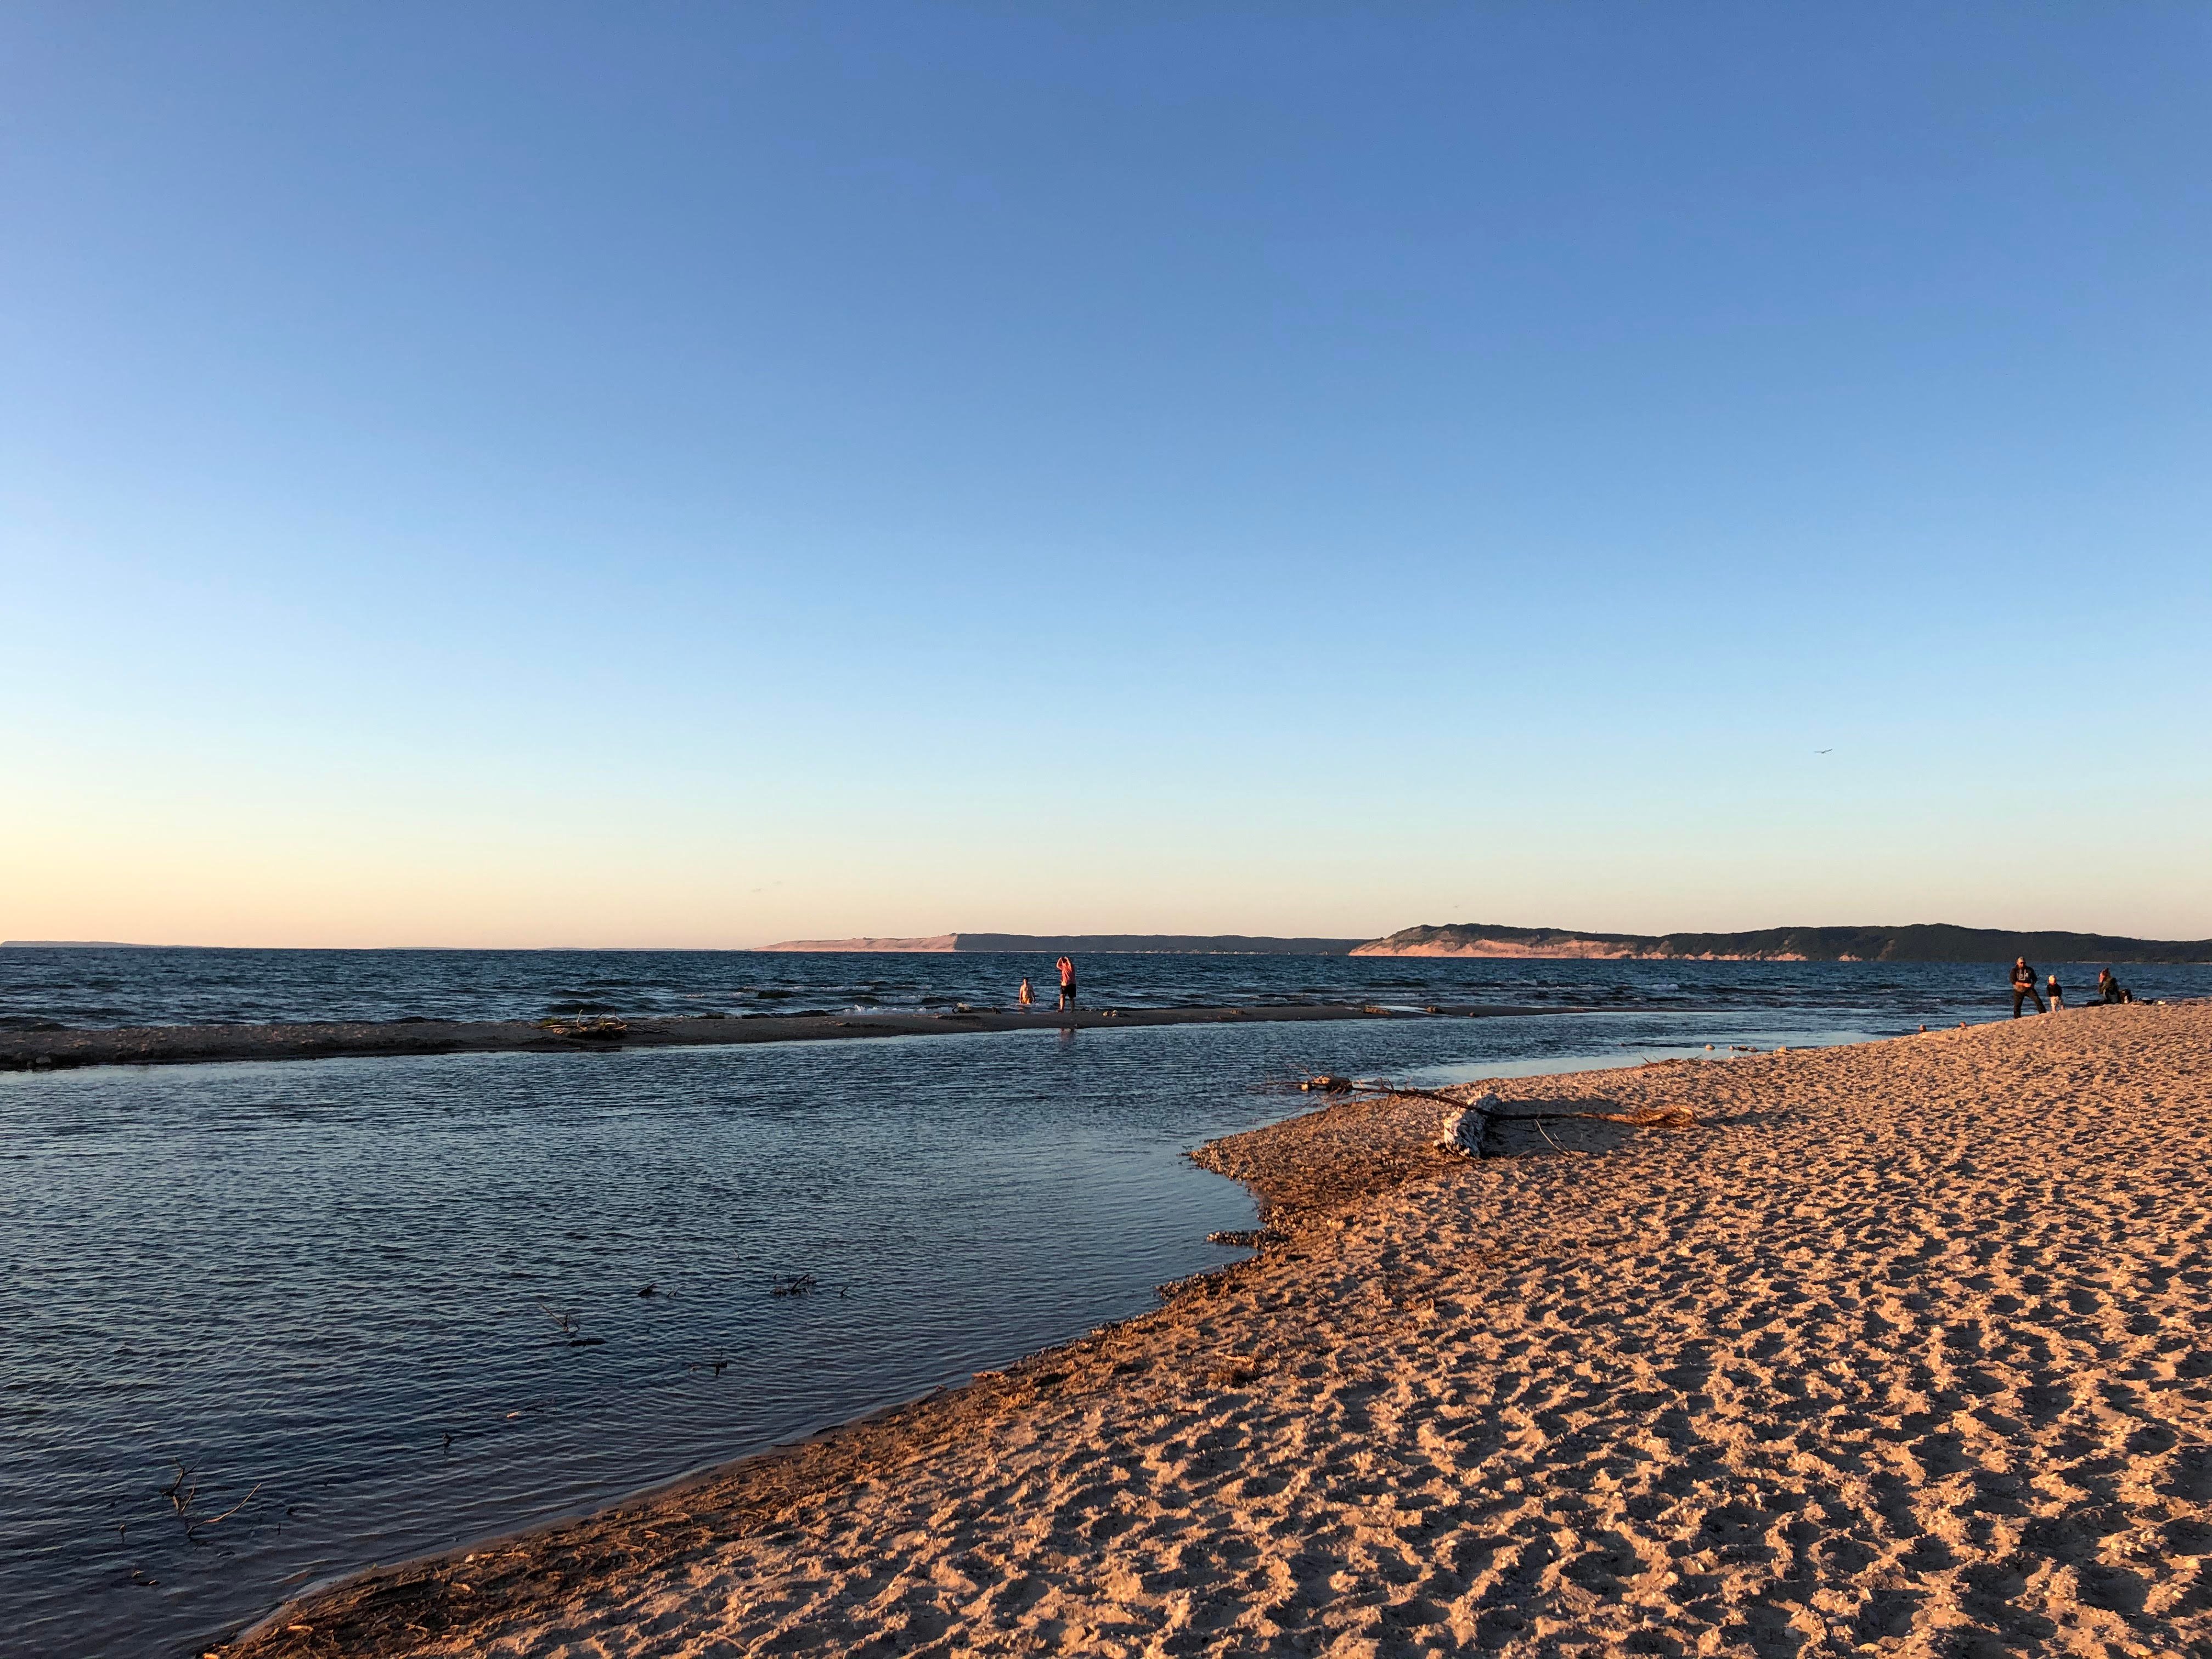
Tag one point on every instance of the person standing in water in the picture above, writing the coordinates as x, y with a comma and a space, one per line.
1066, 983
2055, 993
1028, 997
2023, 987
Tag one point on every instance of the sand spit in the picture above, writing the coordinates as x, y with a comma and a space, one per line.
152, 1045
1905, 1348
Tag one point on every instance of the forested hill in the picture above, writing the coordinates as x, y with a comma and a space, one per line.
1921, 942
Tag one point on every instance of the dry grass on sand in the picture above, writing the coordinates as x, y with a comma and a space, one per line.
1904, 1348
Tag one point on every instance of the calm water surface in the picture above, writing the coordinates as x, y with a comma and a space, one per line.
385, 1305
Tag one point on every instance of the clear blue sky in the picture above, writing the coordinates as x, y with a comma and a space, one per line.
682, 474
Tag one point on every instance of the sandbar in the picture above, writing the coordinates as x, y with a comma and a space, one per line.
155, 1045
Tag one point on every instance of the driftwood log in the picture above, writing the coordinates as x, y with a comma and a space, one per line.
1467, 1122
1465, 1128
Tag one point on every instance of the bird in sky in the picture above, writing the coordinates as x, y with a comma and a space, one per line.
1824, 752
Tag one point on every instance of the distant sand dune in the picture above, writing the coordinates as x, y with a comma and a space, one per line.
934, 943
1907, 1348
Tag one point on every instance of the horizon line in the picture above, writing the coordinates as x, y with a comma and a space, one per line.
785, 945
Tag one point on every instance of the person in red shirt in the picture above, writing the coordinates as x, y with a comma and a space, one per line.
1066, 983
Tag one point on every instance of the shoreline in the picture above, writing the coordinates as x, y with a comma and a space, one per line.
1899, 1345
370, 1599
165, 1045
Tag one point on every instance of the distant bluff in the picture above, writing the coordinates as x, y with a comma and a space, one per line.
1921, 942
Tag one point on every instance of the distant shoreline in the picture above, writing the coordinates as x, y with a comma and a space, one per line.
1919, 942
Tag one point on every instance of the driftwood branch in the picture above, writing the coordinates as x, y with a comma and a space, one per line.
179, 1495
194, 1521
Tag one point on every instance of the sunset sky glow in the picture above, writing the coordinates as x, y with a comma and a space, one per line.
669, 476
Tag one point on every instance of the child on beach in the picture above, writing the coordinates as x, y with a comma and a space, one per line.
1028, 997
2053, 991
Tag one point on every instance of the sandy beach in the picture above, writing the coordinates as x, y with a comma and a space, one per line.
1903, 1347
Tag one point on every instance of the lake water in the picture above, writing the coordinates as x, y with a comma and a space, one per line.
45, 987
385, 1305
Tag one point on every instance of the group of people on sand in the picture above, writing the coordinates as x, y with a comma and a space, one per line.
1066, 967
2109, 989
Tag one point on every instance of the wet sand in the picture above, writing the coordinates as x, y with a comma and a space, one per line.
1904, 1347
152, 1045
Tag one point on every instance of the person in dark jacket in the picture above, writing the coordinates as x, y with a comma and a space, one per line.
2023, 987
